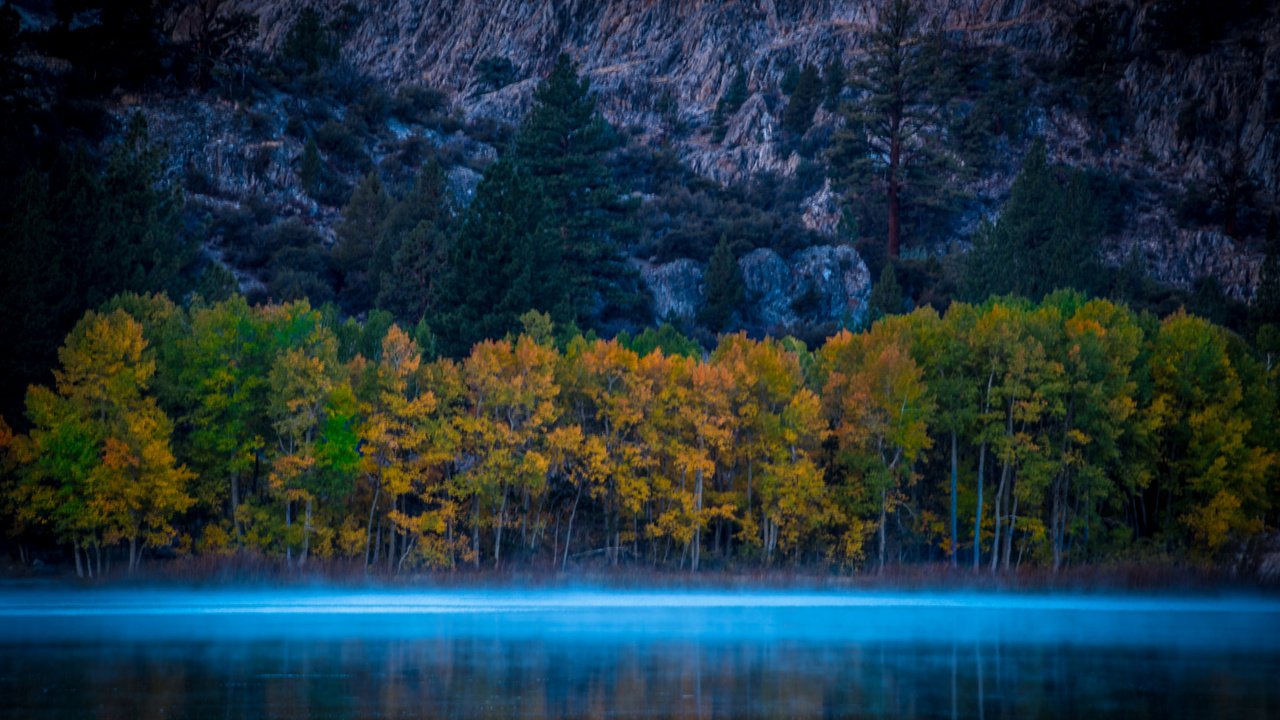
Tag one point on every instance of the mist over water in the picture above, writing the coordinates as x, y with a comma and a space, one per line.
594, 653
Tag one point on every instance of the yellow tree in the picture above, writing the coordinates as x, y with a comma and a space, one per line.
404, 449
1210, 477
98, 456
313, 412
604, 392
877, 403
511, 392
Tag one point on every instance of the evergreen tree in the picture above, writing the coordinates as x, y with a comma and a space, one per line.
833, 82
562, 144
414, 245
311, 169
1266, 300
805, 101
890, 156
725, 288
729, 103
359, 235
309, 44
1045, 239
505, 260
886, 296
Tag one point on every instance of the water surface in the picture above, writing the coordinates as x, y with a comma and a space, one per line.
558, 653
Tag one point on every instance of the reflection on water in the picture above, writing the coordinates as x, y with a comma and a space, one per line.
575, 656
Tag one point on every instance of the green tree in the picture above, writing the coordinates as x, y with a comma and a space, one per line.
804, 101
833, 82
505, 260
414, 246
1045, 239
309, 44
891, 154
732, 99
562, 144
359, 235
311, 170
886, 295
725, 287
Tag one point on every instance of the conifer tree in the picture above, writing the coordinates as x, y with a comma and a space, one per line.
562, 144
505, 260
725, 289
886, 295
411, 254
359, 234
734, 96
891, 149
804, 102
1045, 239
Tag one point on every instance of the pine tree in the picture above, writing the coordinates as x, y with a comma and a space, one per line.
725, 288
1045, 239
310, 172
886, 296
562, 144
729, 103
505, 260
359, 234
833, 82
414, 240
1266, 300
891, 149
805, 101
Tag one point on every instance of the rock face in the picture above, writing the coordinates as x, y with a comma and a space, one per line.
661, 65
825, 284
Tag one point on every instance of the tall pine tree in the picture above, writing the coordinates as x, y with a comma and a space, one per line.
725, 288
505, 260
562, 144
891, 154
359, 235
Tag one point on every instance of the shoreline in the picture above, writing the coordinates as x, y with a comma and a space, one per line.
248, 572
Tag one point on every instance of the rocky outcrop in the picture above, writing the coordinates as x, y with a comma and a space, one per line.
825, 284
661, 65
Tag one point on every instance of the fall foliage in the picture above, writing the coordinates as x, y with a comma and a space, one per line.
1056, 433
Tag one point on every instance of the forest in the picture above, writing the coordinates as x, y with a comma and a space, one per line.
995, 436
476, 378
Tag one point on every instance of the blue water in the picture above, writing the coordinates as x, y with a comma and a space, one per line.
557, 653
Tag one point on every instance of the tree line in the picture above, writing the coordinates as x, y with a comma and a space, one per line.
996, 435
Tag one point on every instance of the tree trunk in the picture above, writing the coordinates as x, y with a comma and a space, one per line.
368, 533
306, 534
497, 532
697, 528
288, 523
235, 504
895, 158
75, 550
568, 537
999, 509
133, 553
955, 473
883, 515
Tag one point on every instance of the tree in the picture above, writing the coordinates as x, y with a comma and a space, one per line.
732, 99
309, 44
892, 143
98, 458
1045, 239
875, 396
886, 296
359, 235
804, 101
311, 170
833, 84
505, 260
562, 144
725, 287
1210, 478
414, 247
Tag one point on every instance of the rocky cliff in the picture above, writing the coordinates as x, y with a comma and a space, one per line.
661, 65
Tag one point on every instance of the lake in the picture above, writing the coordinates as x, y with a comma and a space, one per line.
70, 653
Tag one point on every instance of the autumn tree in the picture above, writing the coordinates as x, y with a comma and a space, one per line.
97, 464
